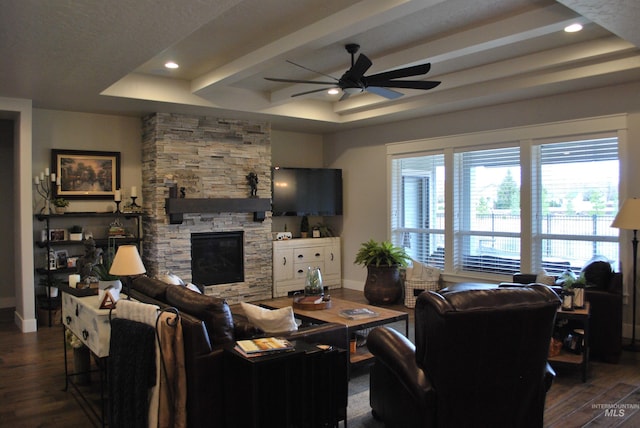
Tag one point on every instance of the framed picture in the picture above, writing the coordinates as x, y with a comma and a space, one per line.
85, 174
61, 259
57, 234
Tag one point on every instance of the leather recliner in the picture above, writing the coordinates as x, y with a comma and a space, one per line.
480, 359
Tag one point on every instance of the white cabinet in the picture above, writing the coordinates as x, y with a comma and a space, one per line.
292, 258
83, 316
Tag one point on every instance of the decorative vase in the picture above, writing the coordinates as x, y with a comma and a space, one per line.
383, 285
60, 210
313, 283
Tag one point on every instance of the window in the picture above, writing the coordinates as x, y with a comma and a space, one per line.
527, 205
418, 208
487, 200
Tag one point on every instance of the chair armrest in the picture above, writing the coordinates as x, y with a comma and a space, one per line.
398, 354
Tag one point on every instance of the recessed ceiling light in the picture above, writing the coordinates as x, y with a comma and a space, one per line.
171, 65
573, 28
333, 91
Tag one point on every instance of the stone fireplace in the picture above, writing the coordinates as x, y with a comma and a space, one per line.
209, 158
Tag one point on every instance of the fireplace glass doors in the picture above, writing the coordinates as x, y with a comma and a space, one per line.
217, 258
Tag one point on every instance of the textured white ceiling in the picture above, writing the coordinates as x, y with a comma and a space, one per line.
107, 56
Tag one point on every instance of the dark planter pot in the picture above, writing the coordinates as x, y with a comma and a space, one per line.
383, 285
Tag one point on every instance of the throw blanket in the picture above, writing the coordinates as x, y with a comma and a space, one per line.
132, 372
172, 411
147, 314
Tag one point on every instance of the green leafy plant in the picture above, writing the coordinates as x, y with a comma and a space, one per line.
60, 202
101, 270
325, 230
372, 253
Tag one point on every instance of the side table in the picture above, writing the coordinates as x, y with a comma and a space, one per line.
306, 387
582, 359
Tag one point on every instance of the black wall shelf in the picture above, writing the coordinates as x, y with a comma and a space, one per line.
176, 207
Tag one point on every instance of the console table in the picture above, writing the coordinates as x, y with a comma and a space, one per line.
306, 387
82, 316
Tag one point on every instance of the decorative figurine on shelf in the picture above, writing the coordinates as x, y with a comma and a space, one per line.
183, 192
253, 183
85, 264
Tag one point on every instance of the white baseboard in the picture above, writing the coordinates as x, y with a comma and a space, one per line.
25, 325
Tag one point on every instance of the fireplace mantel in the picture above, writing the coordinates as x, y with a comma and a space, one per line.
176, 207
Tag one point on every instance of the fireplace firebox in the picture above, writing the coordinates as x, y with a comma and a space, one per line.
217, 257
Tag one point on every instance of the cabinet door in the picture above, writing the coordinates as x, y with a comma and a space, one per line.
332, 259
283, 265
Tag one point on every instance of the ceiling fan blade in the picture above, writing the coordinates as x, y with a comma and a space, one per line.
384, 92
310, 92
361, 66
274, 79
344, 96
409, 84
313, 71
402, 72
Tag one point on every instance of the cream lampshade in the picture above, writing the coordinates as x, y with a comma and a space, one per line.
629, 218
127, 263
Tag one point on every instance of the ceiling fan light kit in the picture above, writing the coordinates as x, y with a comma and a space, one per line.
353, 81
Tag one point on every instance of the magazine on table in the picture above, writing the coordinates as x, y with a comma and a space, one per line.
263, 346
358, 313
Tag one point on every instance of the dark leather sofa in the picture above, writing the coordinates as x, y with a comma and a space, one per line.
480, 359
209, 327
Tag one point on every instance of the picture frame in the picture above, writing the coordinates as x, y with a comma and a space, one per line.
61, 259
57, 234
85, 174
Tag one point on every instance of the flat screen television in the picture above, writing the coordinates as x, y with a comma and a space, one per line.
306, 191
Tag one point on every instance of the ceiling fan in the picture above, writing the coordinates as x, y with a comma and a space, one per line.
354, 81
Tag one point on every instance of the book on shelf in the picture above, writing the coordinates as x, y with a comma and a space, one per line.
263, 346
358, 313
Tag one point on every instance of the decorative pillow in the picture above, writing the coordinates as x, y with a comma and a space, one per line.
170, 278
270, 321
544, 278
214, 311
422, 272
191, 286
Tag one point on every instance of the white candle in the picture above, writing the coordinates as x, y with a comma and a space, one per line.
42, 176
53, 177
46, 171
134, 191
58, 181
73, 280
36, 180
117, 197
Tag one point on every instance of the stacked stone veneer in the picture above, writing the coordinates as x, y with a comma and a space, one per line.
210, 158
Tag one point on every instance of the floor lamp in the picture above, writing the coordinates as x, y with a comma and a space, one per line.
629, 218
127, 263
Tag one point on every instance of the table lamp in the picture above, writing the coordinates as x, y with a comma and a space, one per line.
127, 263
629, 218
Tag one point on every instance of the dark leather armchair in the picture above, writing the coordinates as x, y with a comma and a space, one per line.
480, 359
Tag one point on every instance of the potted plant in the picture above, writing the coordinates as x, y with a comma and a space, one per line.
304, 227
61, 205
106, 281
75, 233
383, 261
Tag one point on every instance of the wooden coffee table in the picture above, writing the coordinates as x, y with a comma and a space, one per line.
332, 314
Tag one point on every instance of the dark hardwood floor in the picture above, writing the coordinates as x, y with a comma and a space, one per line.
32, 383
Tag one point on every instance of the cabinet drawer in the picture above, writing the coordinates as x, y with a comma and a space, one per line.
308, 255
300, 269
90, 324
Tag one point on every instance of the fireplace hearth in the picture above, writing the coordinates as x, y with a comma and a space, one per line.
217, 257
